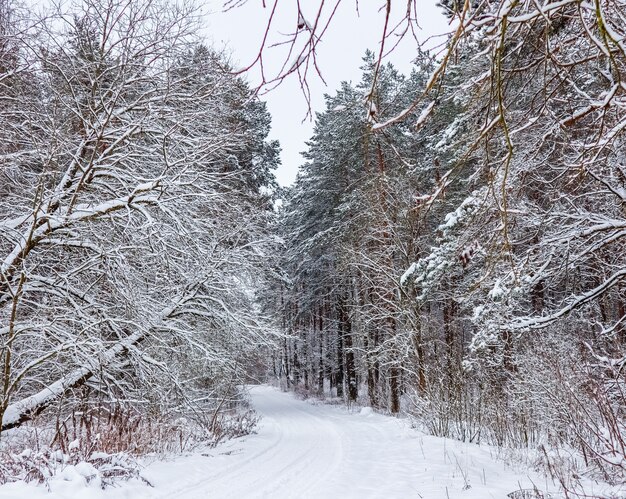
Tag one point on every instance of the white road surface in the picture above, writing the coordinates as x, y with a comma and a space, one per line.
306, 450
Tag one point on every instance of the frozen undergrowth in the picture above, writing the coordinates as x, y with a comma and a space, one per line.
103, 451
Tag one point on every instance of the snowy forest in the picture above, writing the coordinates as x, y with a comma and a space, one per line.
452, 253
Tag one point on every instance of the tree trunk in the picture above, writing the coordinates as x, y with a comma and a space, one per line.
339, 371
320, 366
346, 328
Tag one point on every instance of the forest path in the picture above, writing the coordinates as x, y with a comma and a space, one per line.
307, 450
310, 450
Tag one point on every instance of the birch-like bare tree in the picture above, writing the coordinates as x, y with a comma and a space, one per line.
133, 158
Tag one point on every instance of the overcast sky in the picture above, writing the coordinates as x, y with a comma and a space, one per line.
241, 31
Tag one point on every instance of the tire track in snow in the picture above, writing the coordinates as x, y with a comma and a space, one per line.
228, 471
308, 451
313, 464
303, 449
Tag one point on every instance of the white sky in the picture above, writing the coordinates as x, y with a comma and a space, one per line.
340, 54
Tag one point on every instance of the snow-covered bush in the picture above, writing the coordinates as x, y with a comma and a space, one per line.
233, 424
102, 445
98, 469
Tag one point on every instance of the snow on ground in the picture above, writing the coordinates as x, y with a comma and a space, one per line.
303, 450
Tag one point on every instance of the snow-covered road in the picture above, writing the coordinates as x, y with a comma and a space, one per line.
306, 450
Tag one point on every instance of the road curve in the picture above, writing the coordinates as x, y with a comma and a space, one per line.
306, 450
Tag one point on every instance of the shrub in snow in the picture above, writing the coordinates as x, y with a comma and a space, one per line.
236, 424
98, 469
99, 445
